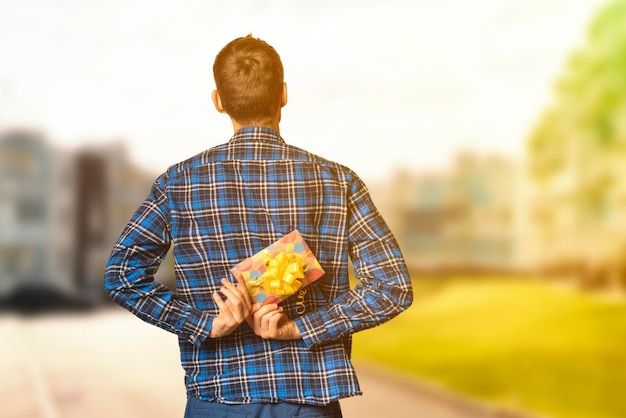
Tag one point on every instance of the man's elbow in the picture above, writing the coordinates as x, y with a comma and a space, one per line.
111, 282
108, 287
407, 299
403, 295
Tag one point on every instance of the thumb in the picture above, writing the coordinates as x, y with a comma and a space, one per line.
255, 307
250, 317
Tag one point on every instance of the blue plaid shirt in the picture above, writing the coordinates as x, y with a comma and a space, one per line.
222, 206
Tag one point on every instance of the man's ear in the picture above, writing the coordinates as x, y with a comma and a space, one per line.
217, 101
283, 100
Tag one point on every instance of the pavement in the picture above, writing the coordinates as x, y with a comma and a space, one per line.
108, 363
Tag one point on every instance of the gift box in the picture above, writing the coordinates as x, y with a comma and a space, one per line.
280, 270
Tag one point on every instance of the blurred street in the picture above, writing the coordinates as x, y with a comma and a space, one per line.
110, 364
103, 364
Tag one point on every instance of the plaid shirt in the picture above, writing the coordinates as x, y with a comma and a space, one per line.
224, 205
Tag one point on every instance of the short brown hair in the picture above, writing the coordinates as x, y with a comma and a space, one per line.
249, 79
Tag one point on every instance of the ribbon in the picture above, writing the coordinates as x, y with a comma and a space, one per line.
282, 276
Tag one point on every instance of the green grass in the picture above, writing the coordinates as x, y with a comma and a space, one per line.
519, 343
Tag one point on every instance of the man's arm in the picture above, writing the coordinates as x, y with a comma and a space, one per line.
384, 289
129, 278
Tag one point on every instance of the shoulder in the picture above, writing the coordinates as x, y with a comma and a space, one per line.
328, 167
185, 167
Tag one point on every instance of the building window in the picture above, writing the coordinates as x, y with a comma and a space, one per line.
30, 209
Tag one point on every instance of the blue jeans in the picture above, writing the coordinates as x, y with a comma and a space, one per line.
197, 408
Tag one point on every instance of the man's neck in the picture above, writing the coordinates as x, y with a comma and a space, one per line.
273, 124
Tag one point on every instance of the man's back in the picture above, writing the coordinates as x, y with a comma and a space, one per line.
224, 205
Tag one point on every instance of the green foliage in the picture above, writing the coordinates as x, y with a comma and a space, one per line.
590, 103
520, 343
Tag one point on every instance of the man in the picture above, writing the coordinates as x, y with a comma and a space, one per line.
227, 203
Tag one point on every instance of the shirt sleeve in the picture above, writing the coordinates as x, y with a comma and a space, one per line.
136, 257
384, 289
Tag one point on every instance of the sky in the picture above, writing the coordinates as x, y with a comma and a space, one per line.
374, 85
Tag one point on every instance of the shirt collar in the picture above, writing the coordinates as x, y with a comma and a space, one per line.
256, 133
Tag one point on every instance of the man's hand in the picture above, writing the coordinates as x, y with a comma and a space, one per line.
233, 311
269, 322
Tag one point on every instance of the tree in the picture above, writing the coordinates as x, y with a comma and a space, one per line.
582, 138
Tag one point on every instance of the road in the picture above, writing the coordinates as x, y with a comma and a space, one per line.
110, 364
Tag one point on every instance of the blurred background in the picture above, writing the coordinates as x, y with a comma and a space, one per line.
491, 135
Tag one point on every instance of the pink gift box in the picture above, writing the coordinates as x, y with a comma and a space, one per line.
279, 270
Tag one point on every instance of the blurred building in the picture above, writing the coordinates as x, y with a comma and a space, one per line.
61, 212
461, 220
36, 211
109, 189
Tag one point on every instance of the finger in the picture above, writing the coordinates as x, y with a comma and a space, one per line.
228, 288
227, 283
229, 293
269, 320
223, 323
275, 318
234, 299
274, 324
254, 308
224, 311
236, 296
241, 282
261, 312
243, 289
250, 318
264, 310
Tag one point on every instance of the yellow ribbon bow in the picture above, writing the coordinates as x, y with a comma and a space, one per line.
282, 277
